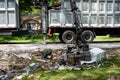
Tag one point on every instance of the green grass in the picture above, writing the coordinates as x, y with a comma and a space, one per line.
106, 38
92, 74
26, 38
106, 71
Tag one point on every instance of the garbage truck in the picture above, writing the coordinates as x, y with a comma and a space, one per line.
9, 16
98, 17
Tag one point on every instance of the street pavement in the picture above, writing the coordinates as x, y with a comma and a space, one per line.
30, 46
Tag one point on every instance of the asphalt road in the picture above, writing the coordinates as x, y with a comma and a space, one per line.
30, 46
105, 45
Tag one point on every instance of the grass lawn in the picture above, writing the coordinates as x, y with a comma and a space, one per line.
106, 38
26, 38
103, 73
38, 38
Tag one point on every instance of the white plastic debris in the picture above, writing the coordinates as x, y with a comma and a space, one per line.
27, 70
97, 55
19, 77
61, 67
32, 64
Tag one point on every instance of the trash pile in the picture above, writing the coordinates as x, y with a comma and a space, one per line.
17, 64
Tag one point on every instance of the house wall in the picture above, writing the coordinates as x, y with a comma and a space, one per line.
32, 21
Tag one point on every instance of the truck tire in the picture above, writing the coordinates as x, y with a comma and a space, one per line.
68, 37
87, 36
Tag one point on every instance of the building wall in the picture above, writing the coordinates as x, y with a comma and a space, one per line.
31, 21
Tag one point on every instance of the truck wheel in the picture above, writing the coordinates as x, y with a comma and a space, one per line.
68, 37
87, 36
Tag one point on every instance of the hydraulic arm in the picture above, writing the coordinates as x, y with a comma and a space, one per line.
80, 46
80, 50
77, 21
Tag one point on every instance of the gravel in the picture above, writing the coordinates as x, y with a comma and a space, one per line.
27, 47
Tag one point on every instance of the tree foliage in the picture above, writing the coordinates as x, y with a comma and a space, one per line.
27, 6
53, 2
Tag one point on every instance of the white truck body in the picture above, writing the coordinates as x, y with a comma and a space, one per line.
9, 14
94, 14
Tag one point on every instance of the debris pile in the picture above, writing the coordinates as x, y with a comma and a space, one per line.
25, 61
14, 61
19, 63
